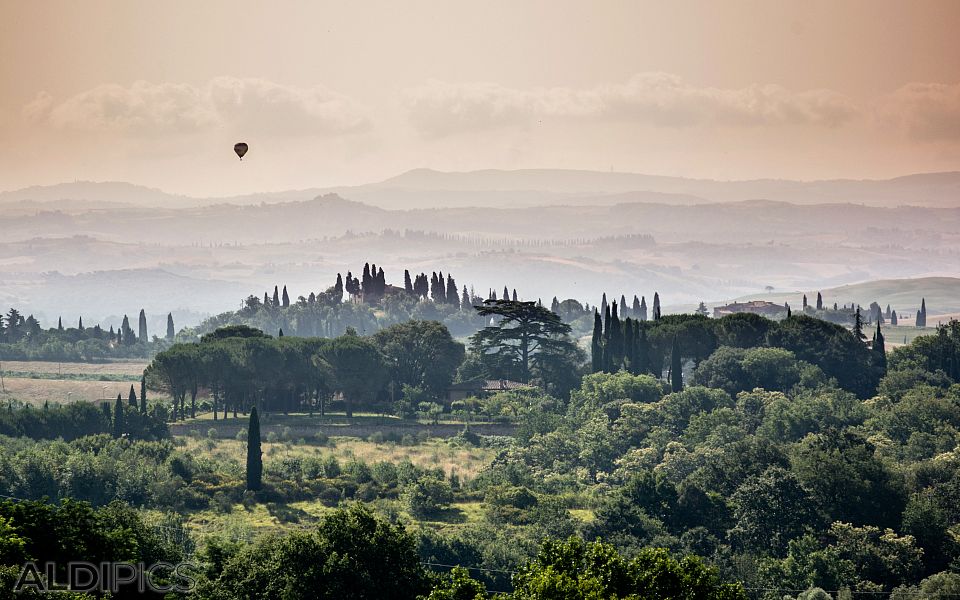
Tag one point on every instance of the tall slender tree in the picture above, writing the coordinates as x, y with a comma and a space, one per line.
451, 290
118, 417
407, 283
819, 301
286, 298
616, 340
132, 398
643, 350
80, 324
171, 332
596, 343
142, 329
276, 296
643, 308
893, 318
127, 338
143, 394
879, 351
921, 320
656, 306
676, 367
858, 325
59, 323
254, 453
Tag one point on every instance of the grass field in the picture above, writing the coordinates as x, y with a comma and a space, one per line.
38, 391
466, 462
36, 382
128, 368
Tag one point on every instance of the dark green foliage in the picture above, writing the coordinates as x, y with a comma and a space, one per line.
171, 332
577, 570
254, 453
526, 337
75, 420
118, 424
352, 555
421, 354
676, 367
837, 352
74, 531
142, 326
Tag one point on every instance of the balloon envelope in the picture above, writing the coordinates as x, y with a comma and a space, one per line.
240, 148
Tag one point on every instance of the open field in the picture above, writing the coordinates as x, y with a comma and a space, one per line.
36, 382
300, 425
128, 368
465, 461
245, 522
38, 391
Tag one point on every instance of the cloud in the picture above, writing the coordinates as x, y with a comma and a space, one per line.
439, 108
252, 105
924, 111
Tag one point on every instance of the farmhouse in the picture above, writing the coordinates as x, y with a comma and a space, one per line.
757, 307
481, 387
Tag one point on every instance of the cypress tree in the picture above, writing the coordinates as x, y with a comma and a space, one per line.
555, 305
132, 398
506, 293
142, 327
643, 308
880, 351
921, 320
607, 358
276, 296
80, 324
280, 333
286, 297
451, 290
616, 340
254, 454
338, 288
407, 283
143, 394
127, 338
643, 349
636, 307
893, 318
804, 303
59, 324
171, 332
629, 346
465, 299
118, 417
623, 306
656, 306
858, 325
819, 301
603, 304
676, 367
266, 299
596, 344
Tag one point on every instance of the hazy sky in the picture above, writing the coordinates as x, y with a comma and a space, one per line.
330, 93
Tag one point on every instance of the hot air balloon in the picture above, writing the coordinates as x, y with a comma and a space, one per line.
240, 148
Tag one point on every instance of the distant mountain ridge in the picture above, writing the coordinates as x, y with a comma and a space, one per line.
425, 188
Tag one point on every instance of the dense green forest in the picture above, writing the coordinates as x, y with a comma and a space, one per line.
682, 457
